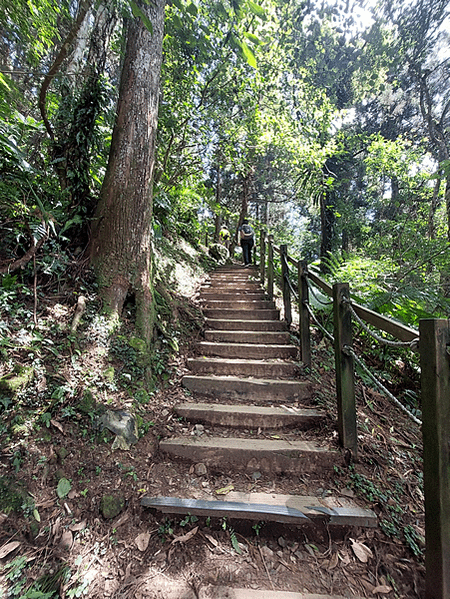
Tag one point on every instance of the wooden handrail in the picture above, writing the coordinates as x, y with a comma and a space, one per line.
435, 383
384, 323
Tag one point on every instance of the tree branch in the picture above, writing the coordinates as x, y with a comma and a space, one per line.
12, 266
62, 54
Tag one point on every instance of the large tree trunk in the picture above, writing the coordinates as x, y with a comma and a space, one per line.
121, 237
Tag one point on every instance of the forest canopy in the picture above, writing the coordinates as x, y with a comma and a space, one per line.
326, 124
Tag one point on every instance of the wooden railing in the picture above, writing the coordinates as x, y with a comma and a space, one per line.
432, 340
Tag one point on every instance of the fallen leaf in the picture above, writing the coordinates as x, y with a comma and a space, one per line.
57, 425
383, 589
78, 526
186, 537
66, 541
333, 561
225, 490
345, 558
369, 587
142, 541
8, 548
362, 552
211, 539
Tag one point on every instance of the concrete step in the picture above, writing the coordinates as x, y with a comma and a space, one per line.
246, 275
245, 325
254, 368
251, 417
235, 593
242, 314
237, 304
248, 351
230, 295
260, 337
270, 507
237, 287
274, 456
253, 389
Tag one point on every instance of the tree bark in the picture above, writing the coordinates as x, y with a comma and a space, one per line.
121, 237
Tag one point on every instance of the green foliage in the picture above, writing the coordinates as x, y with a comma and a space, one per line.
391, 503
63, 488
383, 287
188, 519
165, 529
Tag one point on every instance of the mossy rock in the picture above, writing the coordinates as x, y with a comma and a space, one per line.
20, 378
111, 506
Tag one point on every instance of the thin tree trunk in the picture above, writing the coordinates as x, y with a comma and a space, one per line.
62, 54
246, 182
433, 207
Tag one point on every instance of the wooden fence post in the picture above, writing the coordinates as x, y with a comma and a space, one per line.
285, 286
303, 299
435, 382
262, 257
270, 267
345, 376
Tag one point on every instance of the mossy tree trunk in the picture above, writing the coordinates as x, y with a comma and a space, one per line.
121, 250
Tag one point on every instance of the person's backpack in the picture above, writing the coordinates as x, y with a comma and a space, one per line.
246, 232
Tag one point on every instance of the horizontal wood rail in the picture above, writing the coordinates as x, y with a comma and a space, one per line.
384, 323
434, 343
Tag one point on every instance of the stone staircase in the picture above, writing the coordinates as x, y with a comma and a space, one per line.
246, 378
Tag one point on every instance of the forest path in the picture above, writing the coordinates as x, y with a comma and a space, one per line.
254, 412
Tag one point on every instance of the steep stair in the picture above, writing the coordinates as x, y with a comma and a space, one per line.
252, 409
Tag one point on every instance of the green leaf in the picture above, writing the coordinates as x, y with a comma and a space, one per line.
36, 515
249, 56
256, 9
252, 38
63, 488
192, 9
3, 81
234, 542
137, 12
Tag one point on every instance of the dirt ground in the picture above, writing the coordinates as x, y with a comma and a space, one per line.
69, 545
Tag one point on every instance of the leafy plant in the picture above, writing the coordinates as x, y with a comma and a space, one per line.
63, 488
188, 519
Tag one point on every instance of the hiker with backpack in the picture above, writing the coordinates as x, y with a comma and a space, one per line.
246, 236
